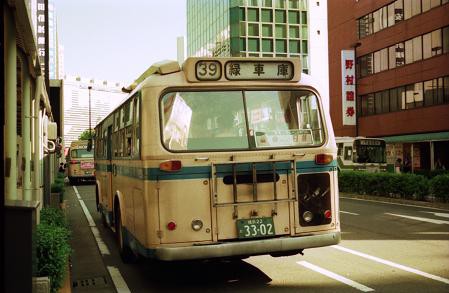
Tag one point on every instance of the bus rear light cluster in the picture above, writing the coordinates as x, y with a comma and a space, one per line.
323, 159
73, 162
197, 225
170, 166
314, 193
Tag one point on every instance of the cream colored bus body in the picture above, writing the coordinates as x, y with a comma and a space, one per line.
149, 202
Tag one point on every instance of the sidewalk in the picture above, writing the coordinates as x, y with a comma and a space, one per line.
88, 273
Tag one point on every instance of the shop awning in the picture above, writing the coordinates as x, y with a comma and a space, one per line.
417, 137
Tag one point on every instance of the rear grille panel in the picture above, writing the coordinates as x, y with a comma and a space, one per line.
314, 196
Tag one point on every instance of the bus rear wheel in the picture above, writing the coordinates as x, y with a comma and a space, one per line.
127, 255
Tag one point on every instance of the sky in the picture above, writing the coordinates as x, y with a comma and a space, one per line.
117, 40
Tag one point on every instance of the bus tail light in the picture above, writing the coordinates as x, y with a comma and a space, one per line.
327, 214
170, 166
73, 162
323, 159
171, 226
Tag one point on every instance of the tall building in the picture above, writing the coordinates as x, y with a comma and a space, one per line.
400, 86
261, 28
104, 97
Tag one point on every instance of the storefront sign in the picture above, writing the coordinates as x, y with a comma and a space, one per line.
348, 87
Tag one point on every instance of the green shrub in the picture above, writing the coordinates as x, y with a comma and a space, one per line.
384, 184
52, 247
439, 186
52, 252
53, 217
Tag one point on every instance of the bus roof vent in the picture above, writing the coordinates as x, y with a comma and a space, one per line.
163, 67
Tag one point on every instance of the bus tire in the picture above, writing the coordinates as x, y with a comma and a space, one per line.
126, 254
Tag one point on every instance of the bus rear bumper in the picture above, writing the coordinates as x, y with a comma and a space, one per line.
245, 248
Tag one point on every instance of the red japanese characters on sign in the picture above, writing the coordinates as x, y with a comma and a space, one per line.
348, 83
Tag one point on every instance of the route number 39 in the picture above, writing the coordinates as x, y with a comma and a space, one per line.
208, 70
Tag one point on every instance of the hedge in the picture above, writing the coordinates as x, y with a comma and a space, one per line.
52, 247
408, 186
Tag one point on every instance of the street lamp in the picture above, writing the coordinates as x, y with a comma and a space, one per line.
89, 142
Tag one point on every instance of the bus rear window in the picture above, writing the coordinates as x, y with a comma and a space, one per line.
81, 153
227, 120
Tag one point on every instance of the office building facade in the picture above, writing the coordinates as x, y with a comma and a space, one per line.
262, 28
400, 52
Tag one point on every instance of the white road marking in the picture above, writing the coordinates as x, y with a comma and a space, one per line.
432, 233
393, 203
100, 243
119, 282
442, 215
439, 222
335, 276
349, 213
392, 264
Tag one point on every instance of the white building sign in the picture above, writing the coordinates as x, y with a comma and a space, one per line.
348, 87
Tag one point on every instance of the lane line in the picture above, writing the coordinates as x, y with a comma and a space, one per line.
394, 203
442, 215
119, 282
335, 276
392, 264
93, 228
439, 222
349, 213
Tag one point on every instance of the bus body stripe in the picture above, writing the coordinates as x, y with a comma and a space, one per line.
204, 172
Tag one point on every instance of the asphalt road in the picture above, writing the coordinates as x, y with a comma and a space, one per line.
386, 248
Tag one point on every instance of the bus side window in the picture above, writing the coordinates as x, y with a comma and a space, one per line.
348, 153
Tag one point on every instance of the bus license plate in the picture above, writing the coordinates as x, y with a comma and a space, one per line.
255, 228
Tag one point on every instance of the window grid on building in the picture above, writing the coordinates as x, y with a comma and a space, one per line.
421, 47
392, 13
420, 94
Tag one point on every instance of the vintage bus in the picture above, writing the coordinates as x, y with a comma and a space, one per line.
80, 162
224, 158
361, 154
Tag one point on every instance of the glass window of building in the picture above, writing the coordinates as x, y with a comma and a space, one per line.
281, 46
383, 17
267, 30
267, 15
384, 59
437, 43
446, 39
304, 32
242, 28
392, 57
376, 21
253, 14
377, 62
303, 17
253, 29
439, 92
427, 45
411, 8
280, 16
417, 48
242, 44
409, 97
378, 102
370, 104
294, 32
242, 15
267, 3
446, 89
304, 47
293, 16
279, 3
253, 44
409, 51
398, 11
418, 94
253, 3
293, 4
294, 46
281, 31
267, 45
429, 91
385, 101
394, 100
391, 14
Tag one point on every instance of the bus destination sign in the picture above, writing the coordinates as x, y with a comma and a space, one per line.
259, 70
